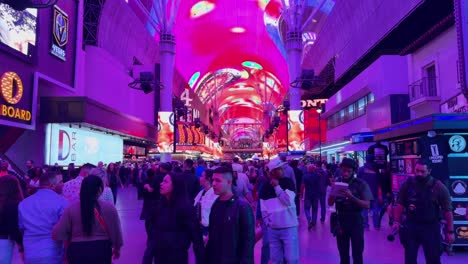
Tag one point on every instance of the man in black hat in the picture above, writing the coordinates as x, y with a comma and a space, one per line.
349, 205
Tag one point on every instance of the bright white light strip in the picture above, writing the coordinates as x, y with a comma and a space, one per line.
342, 144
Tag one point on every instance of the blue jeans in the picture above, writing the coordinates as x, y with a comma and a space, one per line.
6, 251
375, 207
265, 245
312, 202
284, 245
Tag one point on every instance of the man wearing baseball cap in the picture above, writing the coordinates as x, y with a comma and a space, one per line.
349, 205
279, 214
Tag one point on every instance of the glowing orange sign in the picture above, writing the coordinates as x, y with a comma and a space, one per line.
11, 83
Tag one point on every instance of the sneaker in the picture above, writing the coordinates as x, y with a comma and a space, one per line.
311, 225
322, 221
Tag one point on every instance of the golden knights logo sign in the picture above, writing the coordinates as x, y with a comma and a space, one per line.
59, 33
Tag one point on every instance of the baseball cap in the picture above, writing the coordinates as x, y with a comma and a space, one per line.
275, 163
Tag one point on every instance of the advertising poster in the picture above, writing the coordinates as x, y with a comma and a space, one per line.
66, 145
461, 233
18, 28
165, 132
435, 149
296, 130
459, 210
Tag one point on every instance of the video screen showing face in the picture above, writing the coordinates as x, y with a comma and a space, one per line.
18, 28
165, 132
296, 130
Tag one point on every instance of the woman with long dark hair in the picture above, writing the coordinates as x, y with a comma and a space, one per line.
10, 196
174, 225
113, 179
92, 227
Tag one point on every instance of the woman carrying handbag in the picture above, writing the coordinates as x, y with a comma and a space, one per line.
92, 226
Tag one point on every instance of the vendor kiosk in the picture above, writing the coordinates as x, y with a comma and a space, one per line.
448, 155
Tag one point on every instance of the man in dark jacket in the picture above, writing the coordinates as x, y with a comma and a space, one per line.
192, 181
231, 230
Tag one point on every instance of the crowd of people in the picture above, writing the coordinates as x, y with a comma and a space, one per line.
220, 208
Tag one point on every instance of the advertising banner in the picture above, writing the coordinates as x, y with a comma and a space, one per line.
296, 130
65, 144
18, 29
165, 132
60, 29
17, 100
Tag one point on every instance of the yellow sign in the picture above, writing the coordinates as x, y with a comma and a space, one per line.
10, 82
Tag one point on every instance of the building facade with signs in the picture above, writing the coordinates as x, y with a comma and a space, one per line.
59, 87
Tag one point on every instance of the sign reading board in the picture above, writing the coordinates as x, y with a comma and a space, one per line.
17, 101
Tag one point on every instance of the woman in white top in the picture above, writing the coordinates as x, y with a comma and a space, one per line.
106, 195
205, 199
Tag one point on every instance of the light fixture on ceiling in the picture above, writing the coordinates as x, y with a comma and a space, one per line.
201, 8
252, 64
237, 30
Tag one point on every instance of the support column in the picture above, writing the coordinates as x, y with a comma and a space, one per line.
167, 61
294, 49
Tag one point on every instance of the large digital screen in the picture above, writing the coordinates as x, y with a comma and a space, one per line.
165, 132
18, 28
134, 150
296, 130
65, 144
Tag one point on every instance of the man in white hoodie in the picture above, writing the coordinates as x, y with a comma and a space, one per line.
279, 214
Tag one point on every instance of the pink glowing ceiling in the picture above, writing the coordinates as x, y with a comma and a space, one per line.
227, 43
231, 54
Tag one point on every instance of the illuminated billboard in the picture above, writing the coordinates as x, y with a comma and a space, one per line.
18, 28
65, 144
165, 132
296, 130
17, 100
189, 135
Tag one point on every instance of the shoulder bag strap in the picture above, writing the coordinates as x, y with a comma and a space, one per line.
101, 221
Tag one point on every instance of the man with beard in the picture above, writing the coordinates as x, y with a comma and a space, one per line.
425, 200
349, 205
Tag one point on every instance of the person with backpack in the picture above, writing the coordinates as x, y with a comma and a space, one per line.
425, 199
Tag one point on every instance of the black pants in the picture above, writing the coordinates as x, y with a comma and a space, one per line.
114, 193
298, 204
427, 235
351, 231
90, 252
164, 256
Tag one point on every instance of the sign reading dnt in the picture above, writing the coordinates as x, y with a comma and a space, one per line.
12, 92
59, 33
